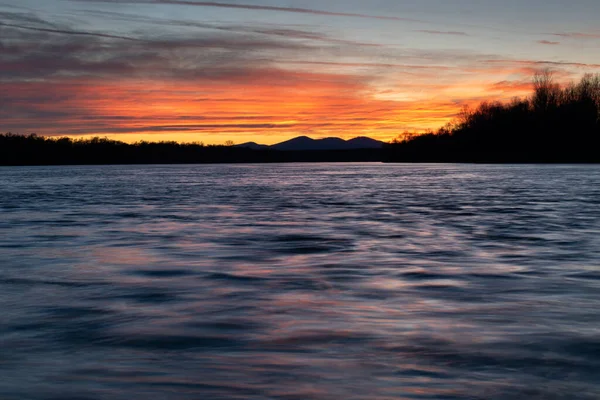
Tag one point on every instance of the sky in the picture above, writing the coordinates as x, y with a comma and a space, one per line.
270, 70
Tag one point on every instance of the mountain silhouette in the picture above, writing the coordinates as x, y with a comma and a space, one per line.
304, 143
363, 142
252, 145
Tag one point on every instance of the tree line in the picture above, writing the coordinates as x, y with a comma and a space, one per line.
554, 124
39, 150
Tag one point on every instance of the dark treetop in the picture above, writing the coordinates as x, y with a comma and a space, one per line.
553, 125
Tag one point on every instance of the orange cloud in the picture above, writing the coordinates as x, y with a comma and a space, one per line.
240, 83
268, 105
316, 104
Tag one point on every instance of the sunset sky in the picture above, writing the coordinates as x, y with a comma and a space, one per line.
269, 70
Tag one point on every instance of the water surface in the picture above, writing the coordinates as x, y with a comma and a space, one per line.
300, 281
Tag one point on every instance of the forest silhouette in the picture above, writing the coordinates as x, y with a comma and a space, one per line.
555, 124
40, 150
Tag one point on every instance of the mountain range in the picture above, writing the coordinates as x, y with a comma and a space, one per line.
303, 143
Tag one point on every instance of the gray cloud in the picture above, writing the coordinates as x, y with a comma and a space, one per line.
251, 7
436, 32
267, 30
66, 32
577, 35
548, 42
31, 52
544, 63
372, 64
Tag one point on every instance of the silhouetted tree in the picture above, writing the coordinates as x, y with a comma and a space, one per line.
555, 124
39, 150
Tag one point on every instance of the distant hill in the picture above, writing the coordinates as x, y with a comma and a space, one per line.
363, 142
39, 150
304, 143
252, 145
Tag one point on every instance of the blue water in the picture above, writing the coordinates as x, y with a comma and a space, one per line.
323, 281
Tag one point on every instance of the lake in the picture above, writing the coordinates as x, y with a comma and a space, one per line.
300, 281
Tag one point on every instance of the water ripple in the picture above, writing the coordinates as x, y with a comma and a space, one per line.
317, 281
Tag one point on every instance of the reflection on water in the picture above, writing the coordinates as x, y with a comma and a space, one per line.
300, 282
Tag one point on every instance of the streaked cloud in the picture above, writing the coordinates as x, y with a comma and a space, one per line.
545, 63
523, 86
268, 30
298, 10
548, 42
189, 70
578, 35
435, 32
66, 32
